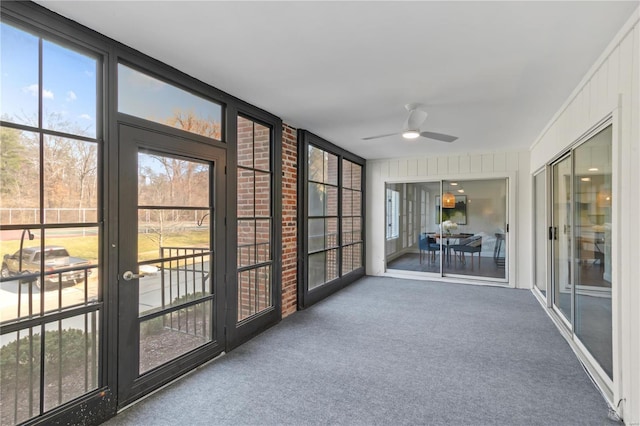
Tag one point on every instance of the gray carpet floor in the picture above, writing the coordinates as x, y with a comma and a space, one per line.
388, 351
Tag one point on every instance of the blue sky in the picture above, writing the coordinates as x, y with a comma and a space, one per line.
69, 83
147, 97
70, 87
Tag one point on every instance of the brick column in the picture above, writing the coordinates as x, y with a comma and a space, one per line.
289, 220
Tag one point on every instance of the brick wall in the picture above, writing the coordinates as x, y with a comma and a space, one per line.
289, 219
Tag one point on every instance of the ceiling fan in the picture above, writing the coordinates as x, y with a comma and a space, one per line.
411, 129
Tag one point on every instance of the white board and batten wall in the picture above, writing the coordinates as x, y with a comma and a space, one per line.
611, 91
511, 165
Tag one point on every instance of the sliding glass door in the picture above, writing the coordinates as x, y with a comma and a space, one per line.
474, 227
580, 232
448, 228
560, 234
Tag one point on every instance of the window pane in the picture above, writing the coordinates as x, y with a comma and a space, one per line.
316, 269
171, 335
70, 90
317, 197
316, 235
347, 202
174, 282
331, 169
71, 267
262, 147
332, 265
263, 240
254, 291
347, 230
541, 233
20, 352
70, 180
356, 182
331, 233
592, 231
331, 204
346, 173
245, 142
357, 229
316, 164
246, 206
170, 181
19, 177
19, 76
347, 259
71, 358
263, 194
246, 242
357, 256
146, 97
161, 229
357, 203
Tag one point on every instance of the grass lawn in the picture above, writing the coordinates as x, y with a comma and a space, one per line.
87, 246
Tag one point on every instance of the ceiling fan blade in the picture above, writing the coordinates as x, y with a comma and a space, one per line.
380, 136
438, 136
415, 119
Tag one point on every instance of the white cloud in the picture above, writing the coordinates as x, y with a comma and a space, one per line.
33, 90
85, 116
71, 96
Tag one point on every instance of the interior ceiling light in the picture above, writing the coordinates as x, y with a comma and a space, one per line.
585, 179
593, 169
454, 184
411, 134
448, 200
461, 190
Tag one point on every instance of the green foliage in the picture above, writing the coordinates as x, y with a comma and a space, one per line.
12, 157
66, 350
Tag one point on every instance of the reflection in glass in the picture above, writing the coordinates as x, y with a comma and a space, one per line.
144, 96
70, 104
561, 224
19, 76
166, 337
592, 239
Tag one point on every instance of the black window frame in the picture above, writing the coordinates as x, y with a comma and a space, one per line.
308, 297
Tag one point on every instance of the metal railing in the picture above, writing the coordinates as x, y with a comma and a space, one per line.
49, 348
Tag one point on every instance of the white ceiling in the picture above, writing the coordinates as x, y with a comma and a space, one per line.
491, 73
